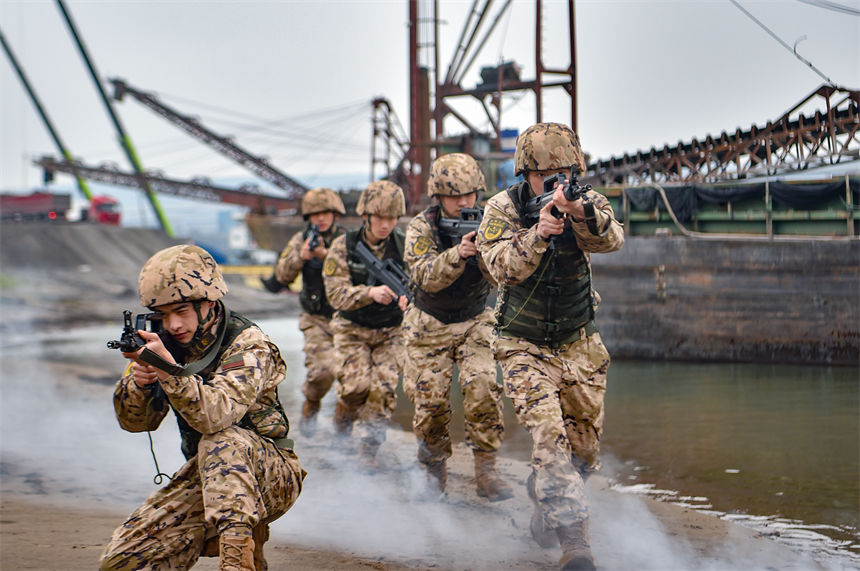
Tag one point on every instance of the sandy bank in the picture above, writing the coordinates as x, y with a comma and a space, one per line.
345, 519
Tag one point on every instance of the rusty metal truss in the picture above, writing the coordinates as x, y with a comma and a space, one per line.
199, 189
224, 145
796, 141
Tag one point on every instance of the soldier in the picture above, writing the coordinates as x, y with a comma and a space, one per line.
366, 327
552, 357
320, 208
450, 323
241, 472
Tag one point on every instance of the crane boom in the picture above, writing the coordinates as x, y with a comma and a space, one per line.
223, 145
198, 189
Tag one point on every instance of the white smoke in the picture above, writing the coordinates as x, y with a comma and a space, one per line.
60, 442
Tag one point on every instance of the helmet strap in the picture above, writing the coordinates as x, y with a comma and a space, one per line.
202, 337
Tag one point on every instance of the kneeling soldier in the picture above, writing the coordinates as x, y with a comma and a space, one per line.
241, 472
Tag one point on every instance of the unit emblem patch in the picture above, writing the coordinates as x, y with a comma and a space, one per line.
421, 245
494, 229
330, 267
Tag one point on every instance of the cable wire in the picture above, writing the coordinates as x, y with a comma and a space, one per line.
785, 45
827, 5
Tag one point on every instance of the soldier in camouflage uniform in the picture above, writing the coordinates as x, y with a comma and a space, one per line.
450, 323
241, 472
367, 333
552, 358
321, 208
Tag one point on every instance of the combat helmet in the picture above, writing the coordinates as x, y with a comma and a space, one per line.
178, 274
455, 174
548, 146
383, 198
321, 200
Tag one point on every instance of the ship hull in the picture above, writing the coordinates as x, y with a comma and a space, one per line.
679, 298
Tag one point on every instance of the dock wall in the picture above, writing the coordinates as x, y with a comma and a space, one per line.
785, 301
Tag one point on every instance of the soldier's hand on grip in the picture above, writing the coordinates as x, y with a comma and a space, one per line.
144, 374
306, 253
467, 248
548, 225
382, 294
572, 207
154, 344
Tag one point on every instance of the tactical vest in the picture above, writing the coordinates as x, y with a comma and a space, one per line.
553, 304
312, 297
375, 315
190, 437
463, 299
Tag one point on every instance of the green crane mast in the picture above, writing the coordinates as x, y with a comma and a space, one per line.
124, 140
82, 184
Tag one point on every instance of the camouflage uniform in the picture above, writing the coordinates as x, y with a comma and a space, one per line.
557, 389
433, 348
321, 366
241, 472
369, 356
449, 324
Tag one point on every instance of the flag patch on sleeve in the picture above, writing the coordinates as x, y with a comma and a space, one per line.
233, 363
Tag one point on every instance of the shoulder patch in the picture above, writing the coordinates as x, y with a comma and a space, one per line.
494, 229
421, 245
234, 363
330, 267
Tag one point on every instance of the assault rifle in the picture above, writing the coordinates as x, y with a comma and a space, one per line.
272, 284
314, 241
314, 237
456, 228
130, 341
385, 272
572, 190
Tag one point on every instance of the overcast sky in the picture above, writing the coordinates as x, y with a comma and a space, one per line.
294, 79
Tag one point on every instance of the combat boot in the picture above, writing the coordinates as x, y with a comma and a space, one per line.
236, 553
308, 420
367, 456
211, 547
437, 478
261, 536
490, 485
545, 537
575, 550
343, 419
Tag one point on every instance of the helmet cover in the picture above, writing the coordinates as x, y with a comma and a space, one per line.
546, 147
179, 274
321, 200
455, 174
383, 198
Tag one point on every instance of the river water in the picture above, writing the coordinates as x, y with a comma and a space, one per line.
775, 447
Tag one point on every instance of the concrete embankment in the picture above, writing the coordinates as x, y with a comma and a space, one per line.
60, 274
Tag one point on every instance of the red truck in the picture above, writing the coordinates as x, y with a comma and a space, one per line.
104, 210
48, 206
